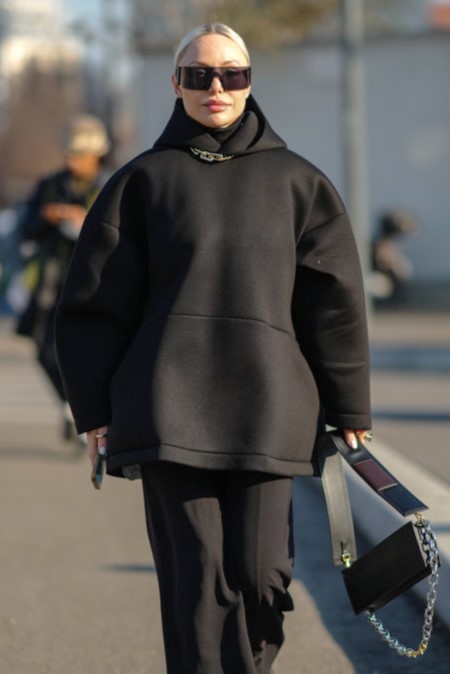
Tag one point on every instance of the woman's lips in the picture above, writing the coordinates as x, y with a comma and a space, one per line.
216, 106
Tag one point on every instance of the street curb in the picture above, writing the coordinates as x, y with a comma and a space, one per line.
376, 520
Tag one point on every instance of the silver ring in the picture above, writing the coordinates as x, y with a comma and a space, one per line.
101, 435
368, 436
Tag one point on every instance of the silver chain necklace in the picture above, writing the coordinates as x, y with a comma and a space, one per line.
210, 157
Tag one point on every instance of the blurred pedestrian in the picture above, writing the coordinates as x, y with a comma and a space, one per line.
212, 319
53, 218
392, 268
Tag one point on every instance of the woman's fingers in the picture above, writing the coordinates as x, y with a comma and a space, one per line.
352, 437
92, 445
364, 436
97, 442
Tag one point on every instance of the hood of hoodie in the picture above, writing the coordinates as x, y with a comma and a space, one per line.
253, 135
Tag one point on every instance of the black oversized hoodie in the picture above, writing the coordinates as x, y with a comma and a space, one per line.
213, 307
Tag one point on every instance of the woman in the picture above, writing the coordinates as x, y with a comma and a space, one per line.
53, 218
213, 308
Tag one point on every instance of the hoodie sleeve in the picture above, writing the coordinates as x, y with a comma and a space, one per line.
328, 311
102, 300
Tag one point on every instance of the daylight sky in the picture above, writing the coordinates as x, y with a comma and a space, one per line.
82, 8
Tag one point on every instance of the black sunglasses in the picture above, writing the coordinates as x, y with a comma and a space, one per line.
200, 78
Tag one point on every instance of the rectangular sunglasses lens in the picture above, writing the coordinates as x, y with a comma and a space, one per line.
194, 78
200, 79
234, 79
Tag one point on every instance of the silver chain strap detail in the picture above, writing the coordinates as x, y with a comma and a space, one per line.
429, 545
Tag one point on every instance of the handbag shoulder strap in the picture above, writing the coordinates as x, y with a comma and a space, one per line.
334, 485
372, 471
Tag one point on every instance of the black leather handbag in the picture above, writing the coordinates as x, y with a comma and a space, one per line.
398, 562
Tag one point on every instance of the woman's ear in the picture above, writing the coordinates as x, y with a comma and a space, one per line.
176, 87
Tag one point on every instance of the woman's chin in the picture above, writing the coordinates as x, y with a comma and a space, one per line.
217, 120
215, 123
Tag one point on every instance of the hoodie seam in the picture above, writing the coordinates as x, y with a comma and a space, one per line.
222, 318
124, 452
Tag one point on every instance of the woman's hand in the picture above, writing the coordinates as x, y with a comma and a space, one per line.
352, 437
97, 442
57, 213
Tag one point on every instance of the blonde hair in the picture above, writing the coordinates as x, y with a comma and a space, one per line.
208, 29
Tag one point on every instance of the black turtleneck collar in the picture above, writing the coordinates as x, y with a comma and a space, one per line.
250, 133
224, 134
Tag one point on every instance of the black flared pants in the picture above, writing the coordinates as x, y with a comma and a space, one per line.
222, 545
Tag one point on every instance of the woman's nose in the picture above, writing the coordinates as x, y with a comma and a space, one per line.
216, 84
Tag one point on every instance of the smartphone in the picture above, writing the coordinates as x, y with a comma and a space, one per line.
98, 470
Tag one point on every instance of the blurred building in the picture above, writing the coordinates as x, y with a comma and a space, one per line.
33, 31
40, 88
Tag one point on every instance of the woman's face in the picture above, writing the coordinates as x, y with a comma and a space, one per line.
84, 165
215, 107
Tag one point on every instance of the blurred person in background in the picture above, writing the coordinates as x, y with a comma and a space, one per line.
391, 267
213, 307
52, 219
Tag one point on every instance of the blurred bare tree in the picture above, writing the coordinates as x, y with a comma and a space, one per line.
158, 24
271, 22
265, 22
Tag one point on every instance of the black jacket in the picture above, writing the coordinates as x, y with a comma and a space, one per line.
211, 307
54, 248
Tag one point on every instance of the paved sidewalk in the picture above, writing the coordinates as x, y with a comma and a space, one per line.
78, 589
411, 386
411, 405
